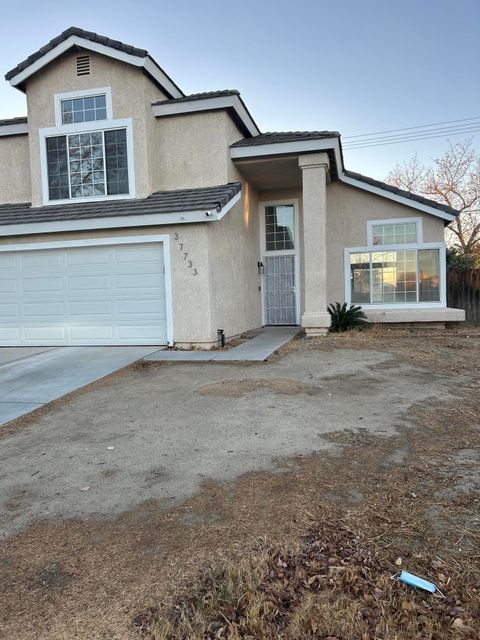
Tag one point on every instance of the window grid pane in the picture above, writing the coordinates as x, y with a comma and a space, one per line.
279, 228
81, 165
85, 109
399, 233
390, 277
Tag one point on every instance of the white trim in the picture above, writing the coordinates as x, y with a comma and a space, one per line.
306, 146
85, 93
87, 127
15, 129
164, 239
294, 252
208, 104
112, 222
146, 63
281, 148
398, 247
393, 221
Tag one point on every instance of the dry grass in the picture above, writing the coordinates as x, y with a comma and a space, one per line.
411, 495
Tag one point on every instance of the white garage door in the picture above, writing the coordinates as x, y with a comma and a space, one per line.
112, 294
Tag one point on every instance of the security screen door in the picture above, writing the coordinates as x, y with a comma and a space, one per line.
279, 265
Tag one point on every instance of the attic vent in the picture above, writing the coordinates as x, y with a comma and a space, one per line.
83, 65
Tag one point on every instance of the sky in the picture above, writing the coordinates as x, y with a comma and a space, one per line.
349, 66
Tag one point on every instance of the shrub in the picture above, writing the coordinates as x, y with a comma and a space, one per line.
456, 257
345, 318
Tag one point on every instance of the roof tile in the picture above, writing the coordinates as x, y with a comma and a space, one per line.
180, 200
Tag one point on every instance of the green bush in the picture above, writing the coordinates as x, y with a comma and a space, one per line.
345, 318
457, 257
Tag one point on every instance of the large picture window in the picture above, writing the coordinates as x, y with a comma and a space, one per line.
82, 165
395, 277
396, 268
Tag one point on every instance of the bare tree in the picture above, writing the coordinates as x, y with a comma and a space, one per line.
454, 180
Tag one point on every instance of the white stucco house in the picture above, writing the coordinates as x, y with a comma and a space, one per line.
131, 213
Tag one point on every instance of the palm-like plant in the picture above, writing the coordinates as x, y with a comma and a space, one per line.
346, 317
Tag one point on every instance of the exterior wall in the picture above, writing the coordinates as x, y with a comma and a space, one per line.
15, 183
234, 280
132, 94
191, 294
193, 150
348, 210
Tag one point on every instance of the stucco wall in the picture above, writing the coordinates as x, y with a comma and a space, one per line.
15, 184
348, 210
132, 94
193, 150
234, 251
190, 293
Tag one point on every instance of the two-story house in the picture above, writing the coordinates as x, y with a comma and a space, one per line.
131, 213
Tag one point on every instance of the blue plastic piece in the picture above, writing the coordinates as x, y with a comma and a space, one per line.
415, 581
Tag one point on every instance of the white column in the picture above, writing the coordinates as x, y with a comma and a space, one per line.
315, 317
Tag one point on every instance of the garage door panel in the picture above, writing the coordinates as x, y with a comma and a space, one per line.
140, 307
91, 259
91, 333
9, 310
45, 332
41, 259
36, 309
87, 283
83, 295
137, 255
90, 308
42, 284
8, 286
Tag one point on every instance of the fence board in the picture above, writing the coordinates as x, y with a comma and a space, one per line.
463, 291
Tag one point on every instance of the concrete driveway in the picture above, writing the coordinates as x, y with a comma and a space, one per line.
32, 376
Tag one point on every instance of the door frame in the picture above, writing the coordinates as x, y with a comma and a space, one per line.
163, 239
294, 253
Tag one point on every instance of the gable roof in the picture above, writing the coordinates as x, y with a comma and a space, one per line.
228, 99
401, 192
79, 38
163, 207
301, 142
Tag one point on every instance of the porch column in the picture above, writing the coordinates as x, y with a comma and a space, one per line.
315, 167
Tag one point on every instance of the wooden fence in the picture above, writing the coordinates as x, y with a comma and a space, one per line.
463, 291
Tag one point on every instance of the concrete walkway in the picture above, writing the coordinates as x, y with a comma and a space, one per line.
257, 349
31, 377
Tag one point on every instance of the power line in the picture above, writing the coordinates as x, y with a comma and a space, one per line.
413, 139
414, 134
422, 126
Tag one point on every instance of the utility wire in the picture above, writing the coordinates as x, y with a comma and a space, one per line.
422, 126
413, 139
414, 134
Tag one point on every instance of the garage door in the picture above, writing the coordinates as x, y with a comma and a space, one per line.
112, 294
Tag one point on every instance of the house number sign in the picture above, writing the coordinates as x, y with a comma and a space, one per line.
181, 247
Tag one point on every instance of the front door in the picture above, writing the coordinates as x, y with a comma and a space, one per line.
279, 260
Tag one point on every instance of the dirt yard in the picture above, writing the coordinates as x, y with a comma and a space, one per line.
307, 483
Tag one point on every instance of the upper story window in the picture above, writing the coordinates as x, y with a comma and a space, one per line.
88, 155
85, 165
85, 109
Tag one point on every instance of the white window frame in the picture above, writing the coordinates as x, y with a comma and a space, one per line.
286, 252
393, 221
87, 127
379, 248
164, 239
84, 93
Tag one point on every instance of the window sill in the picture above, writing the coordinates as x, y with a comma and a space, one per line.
123, 196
